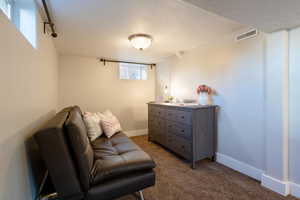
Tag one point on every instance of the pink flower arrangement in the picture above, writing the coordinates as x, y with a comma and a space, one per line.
204, 88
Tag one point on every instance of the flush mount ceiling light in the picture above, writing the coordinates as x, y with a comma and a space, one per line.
140, 41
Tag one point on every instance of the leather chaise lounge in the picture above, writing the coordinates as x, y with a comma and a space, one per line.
104, 169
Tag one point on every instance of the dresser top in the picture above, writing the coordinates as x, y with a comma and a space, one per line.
183, 105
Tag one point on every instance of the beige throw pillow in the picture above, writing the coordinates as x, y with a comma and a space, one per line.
109, 123
92, 123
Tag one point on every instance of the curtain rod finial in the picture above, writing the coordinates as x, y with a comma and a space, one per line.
102, 60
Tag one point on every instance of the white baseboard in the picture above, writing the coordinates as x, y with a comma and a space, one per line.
281, 187
239, 166
295, 190
139, 132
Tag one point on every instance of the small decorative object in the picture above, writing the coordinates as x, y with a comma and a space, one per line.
189, 101
166, 89
204, 91
166, 95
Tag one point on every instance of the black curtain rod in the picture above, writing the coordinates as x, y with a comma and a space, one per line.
120, 61
49, 22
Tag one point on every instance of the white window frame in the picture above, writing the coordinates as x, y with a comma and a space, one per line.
8, 11
139, 69
23, 14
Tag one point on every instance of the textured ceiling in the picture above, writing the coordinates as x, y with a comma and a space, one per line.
101, 27
267, 15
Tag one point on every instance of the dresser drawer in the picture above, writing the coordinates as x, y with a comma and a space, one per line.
179, 129
158, 123
179, 145
179, 116
170, 114
156, 111
157, 131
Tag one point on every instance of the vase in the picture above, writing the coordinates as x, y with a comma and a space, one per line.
203, 99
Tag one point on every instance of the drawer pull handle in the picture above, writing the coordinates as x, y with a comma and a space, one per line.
182, 117
182, 131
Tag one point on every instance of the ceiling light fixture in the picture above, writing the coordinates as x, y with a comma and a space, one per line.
140, 41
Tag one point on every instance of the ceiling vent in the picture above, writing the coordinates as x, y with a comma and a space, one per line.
247, 35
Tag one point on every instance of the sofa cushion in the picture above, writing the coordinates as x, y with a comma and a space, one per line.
109, 123
116, 156
92, 123
80, 146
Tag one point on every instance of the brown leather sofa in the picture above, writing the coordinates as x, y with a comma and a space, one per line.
99, 170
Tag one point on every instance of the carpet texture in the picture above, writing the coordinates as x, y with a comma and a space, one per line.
175, 180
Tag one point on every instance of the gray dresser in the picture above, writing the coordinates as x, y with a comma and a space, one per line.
188, 131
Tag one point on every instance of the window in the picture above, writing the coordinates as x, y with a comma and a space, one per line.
6, 7
22, 13
133, 71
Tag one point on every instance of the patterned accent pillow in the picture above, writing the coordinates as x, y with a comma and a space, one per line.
109, 123
92, 123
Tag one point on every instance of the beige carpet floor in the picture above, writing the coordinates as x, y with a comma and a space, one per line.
175, 180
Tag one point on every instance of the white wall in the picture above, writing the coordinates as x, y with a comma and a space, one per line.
236, 72
163, 79
86, 82
28, 85
276, 104
275, 175
257, 85
294, 117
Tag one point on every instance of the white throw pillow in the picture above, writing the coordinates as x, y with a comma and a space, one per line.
92, 122
109, 123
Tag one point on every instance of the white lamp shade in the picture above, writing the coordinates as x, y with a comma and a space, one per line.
140, 41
